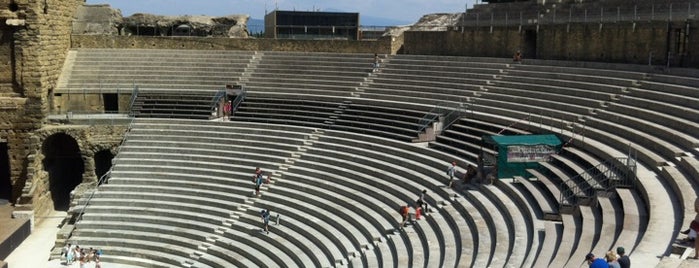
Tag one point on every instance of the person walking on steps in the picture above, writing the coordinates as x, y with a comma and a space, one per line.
421, 202
227, 107
265, 220
451, 172
377, 63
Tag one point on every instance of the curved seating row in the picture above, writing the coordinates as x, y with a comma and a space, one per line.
318, 73
340, 114
192, 180
114, 70
608, 88
598, 114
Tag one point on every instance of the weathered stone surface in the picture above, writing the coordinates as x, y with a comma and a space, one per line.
104, 20
36, 51
156, 25
91, 139
341, 46
97, 19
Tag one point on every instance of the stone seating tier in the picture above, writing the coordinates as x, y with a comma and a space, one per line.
603, 139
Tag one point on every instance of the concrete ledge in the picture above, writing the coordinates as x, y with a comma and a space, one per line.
25, 214
12, 235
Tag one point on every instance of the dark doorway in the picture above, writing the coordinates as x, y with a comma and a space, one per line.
63, 162
103, 162
5, 182
679, 48
111, 102
529, 49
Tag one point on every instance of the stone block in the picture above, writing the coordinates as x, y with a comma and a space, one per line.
25, 214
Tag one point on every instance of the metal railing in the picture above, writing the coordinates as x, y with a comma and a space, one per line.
607, 176
579, 14
450, 113
217, 99
427, 120
238, 100
134, 95
104, 178
91, 117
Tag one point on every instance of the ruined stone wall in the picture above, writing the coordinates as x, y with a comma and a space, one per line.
604, 43
90, 139
89, 102
477, 42
382, 46
38, 48
623, 42
397, 44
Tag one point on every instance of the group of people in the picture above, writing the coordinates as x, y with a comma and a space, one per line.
73, 253
694, 230
612, 259
258, 178
472, 173
420, 208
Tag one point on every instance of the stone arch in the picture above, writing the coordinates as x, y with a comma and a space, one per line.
65, 166
103, 162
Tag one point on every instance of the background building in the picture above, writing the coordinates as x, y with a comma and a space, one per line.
312, 25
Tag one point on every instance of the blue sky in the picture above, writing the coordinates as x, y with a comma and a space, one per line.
407, 11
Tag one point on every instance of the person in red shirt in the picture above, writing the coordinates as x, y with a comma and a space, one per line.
227, 110
404, 212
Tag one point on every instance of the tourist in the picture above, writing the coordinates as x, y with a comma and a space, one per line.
90, 255
404, 212
623, 260
421, 202
71, 255
227, 110
595, 262
451, 172
98, 253
695, 227
693, 231
612, 260
471, 172
64, 252
377, 61
258, 182
481, 168
517, 57
265, 220
256, 179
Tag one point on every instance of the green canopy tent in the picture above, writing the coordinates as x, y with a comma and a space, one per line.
516, 154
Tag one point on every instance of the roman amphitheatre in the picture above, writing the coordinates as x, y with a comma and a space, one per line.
585, 144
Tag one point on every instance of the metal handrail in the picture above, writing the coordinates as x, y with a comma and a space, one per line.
606, 176
134, 95
426, 120
238, 100
107, 174
571, 14
216, 99
450, 111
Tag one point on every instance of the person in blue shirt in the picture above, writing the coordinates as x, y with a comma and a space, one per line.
258, 182
596, 262
265, 220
